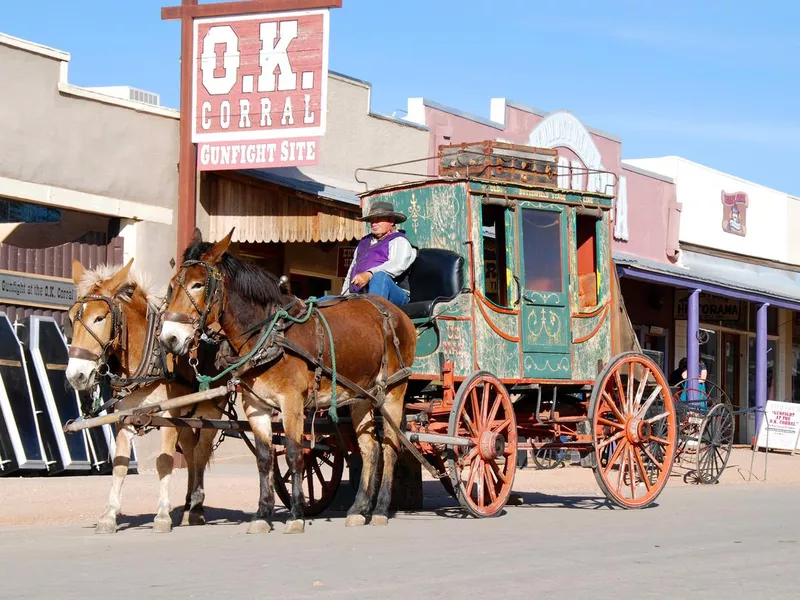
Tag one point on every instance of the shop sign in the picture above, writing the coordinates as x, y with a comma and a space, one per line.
734, 213
344, 258
259, 89
580, 165
781, 424
30, 290
713, 308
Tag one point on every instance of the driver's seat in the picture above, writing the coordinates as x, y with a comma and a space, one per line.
436, 276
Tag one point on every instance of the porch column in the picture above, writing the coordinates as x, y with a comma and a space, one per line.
692, 343
761, 362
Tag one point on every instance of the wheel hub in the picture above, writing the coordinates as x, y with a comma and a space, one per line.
638, 431
491, 445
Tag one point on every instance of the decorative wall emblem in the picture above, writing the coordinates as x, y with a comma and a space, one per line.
734, 212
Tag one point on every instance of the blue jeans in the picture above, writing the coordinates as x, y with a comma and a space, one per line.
382, 285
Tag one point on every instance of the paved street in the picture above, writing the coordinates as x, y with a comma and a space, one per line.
721, 542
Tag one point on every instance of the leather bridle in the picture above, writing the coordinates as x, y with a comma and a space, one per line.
212, 290
117, 329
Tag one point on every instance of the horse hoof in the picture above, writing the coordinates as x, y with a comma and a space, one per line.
197, 519
258, 526
162, 525
355, 521
379, 520
106, 526
296, 526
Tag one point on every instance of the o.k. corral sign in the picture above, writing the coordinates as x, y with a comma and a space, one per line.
260, 89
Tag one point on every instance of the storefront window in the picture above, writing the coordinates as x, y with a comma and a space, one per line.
772, 350
795, 374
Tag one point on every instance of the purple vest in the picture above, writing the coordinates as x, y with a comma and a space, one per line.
370, 255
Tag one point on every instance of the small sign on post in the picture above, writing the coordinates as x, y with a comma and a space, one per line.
780, 426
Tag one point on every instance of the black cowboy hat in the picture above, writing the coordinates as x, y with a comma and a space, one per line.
382, 210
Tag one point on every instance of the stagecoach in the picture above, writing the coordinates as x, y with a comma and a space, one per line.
521, 336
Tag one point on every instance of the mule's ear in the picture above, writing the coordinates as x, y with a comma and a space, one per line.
77, 271
197, 236
120, 278
214, 255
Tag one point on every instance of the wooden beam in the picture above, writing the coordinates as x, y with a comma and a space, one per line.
244, 7
187, 160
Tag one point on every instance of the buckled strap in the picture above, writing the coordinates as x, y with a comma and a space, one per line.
178, 318
83, 354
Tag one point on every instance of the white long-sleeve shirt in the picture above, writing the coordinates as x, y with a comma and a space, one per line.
401, 255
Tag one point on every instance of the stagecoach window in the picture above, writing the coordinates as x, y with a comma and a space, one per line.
541, 235
586, 242
494, 254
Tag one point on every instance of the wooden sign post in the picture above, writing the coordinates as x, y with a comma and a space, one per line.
187, 12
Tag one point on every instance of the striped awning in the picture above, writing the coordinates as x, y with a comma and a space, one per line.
266, 212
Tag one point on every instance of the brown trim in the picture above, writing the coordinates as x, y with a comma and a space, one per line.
491, 324
36, 275
445, 318
244, 7
494, 307
589, 315
594, 331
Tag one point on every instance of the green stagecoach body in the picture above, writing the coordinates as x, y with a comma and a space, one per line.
536, 300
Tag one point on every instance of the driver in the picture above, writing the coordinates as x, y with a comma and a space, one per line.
383, 258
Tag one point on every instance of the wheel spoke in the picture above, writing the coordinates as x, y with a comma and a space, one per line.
611, 440
631, 383
660, 417
611, 404
499, 473
652, 458
489, 482
310, 478
611, 424
620, 390
485, 405
640, 391
643, 411
503, 425
632, 469
615, 456
643, 471
498, 400
476, 409
661, 441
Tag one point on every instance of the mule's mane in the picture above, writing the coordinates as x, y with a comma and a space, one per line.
250, 281
94, 278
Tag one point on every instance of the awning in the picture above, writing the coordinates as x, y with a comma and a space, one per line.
272, 207
718, 275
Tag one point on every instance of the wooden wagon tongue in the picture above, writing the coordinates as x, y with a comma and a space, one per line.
147, 409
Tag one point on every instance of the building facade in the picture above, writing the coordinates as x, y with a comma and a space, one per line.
734, 288
83, 174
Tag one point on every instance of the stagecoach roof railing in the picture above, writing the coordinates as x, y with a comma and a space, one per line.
475, 171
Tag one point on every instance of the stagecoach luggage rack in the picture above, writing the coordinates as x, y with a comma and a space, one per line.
501, 161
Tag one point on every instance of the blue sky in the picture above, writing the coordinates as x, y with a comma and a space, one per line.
717, 82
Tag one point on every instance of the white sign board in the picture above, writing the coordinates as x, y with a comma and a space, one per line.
783, 421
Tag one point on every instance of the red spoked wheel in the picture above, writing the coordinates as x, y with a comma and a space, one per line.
323, 467
634, 428
483, 473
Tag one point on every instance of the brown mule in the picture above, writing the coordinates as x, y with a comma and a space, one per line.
111, 322
212, 287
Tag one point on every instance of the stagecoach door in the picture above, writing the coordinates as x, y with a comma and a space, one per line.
544, 281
